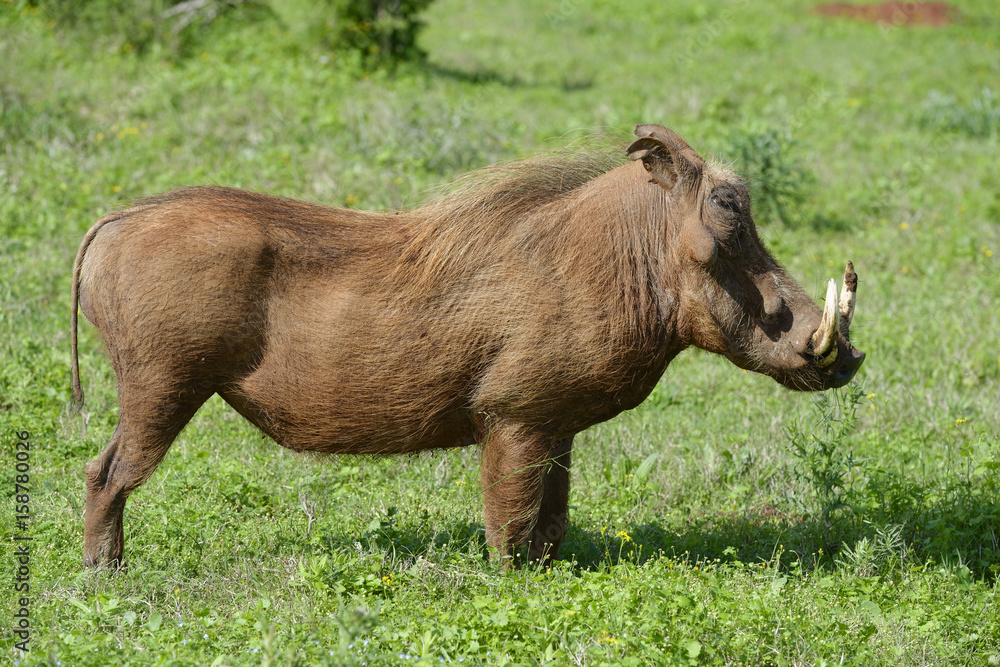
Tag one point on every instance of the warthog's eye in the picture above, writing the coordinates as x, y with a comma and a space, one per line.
728, 202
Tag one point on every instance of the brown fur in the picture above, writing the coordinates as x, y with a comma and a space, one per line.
533, 301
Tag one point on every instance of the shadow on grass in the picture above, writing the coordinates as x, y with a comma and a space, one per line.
951, 532
476, 76
759, 534
832, 224
567, 82
408, 544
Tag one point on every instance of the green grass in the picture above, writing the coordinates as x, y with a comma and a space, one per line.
724, 521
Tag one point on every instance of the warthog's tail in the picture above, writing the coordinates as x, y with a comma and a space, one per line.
75, 298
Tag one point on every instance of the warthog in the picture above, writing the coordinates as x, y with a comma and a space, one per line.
536, 299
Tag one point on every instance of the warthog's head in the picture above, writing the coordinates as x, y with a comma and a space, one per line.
731, 296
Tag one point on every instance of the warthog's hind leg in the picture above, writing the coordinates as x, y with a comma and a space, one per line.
146, 428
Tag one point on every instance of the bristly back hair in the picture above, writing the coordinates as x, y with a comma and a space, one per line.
486, 213
514, 187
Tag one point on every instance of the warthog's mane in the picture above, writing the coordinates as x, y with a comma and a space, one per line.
506, 210
518, 186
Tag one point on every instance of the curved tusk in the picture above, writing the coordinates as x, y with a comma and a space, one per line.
848, 295
825, 338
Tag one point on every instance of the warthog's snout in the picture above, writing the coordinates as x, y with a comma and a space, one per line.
846, 367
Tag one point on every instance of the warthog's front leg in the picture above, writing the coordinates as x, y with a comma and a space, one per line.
553, 519
517, 461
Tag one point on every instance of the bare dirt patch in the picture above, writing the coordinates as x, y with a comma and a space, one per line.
893, 13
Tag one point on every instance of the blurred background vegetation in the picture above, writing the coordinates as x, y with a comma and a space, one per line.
383, 32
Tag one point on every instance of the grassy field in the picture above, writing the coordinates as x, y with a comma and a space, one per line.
724, 521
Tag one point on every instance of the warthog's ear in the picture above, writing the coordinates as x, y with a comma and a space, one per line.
667, 157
